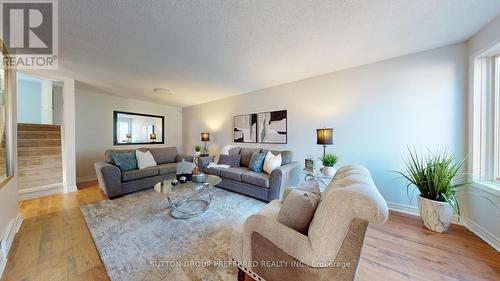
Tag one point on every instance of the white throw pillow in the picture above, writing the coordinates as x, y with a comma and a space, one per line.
225, 151
271, 162
145, 159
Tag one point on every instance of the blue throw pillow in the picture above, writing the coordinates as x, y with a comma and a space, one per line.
257, 162
126, 161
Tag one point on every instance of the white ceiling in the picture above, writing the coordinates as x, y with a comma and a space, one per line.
202, 50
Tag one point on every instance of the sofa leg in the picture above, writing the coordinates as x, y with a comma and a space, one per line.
241, 275
116, 197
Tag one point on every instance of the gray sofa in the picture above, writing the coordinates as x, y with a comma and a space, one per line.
116, 183
258, 185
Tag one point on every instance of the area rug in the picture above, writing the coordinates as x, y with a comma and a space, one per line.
137, 239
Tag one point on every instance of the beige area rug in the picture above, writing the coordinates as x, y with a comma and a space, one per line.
138, 239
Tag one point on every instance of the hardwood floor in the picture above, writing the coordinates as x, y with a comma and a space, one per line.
55, 244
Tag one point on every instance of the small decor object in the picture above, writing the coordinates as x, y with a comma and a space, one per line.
174, 182
271, 162
182, 179
145, 159
197, 150
329, 160
324, 137
199, 178
245, 128
257, 162
129, 137
185, 169
205, 137
435, 175
309, 163
272, 127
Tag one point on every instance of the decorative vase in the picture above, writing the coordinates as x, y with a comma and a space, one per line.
436, 215
197, 153
329, 171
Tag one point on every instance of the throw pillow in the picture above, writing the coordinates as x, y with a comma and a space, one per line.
126, 161
308, 185
145, 159
257, 162
271, 162
298, 210
231, 160
225, 150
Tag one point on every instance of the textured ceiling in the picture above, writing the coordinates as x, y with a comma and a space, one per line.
202, 50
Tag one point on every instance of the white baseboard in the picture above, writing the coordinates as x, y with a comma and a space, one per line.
70, 188
484, 234
86, 178
6, 242
40, 191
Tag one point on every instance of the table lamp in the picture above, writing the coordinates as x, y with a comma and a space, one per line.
205, 137
324, 137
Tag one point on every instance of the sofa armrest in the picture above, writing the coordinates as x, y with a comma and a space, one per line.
180, 157
282, 177
205, 160
288, 240
110, 178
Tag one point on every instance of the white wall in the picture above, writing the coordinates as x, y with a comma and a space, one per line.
377, 111
94, 125
481, 216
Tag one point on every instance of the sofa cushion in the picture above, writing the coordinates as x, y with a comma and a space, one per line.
286, 155
168, 168
259, 179
108, 154
246, 154
298, 209
231, 160
257, 162
126, 161
212, 170
139, 174
164, 155
233, 173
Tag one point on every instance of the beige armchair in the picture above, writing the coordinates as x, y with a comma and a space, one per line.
265, 249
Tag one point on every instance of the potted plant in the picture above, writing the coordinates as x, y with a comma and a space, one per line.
197, 149
329, 160
436, 177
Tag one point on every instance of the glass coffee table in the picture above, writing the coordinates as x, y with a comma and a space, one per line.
190, 199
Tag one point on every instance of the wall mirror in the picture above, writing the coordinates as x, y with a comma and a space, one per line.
6, 143
137, 128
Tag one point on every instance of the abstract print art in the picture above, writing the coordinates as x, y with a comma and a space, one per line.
272, 127
245, 128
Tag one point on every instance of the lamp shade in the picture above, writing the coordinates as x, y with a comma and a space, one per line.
205, 137
324, 136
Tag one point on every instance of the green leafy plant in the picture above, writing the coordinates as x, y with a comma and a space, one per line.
329, 159
197, 148
435, 175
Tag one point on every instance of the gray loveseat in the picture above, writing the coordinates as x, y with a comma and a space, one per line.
258, 185
115, 183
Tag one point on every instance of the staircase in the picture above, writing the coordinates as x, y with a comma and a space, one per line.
39, 158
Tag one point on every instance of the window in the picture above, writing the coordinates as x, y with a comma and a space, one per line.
486, 120
497, 119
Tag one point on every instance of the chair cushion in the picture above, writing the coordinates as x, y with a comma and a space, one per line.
246, 154
257, 162
168, 168
126, 161
231, 160
271, 210
259, 179
139, 174
298, 209
233, 173
164, 155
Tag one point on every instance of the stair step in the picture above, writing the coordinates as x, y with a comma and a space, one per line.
39, 143
38, 127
